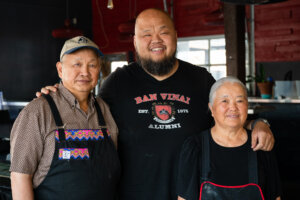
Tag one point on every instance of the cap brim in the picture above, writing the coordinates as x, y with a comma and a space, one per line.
76, 48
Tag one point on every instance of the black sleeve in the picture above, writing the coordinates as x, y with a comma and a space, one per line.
188, 179
269, 178
108, 89
210, 80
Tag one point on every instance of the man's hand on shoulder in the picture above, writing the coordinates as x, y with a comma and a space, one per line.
46, 90
262, 137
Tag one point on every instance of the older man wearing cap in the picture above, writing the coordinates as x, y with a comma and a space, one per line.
63, 146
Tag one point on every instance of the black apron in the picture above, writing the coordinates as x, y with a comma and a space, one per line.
213, 191
85, 164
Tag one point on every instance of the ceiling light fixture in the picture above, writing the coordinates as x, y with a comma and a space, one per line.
69, 29
110, 4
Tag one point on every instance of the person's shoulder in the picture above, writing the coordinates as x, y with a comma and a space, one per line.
265, 156
192, 67
192, 147
102, 103
126, 69
36, 105
40, 104
121, 76
194, 141
196, 73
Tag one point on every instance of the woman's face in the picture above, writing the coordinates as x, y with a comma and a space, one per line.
230, 106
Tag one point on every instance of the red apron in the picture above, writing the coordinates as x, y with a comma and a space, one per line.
213, 191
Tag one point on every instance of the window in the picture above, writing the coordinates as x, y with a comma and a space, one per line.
116, 64
117, 60
208, 52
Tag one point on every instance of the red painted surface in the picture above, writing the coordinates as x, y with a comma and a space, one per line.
277, 26
277, 32
191, 17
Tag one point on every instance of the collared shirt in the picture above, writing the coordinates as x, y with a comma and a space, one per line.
33, 133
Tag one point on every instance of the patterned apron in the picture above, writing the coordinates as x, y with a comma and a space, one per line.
85, 164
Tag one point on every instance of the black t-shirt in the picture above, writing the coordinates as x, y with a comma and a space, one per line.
154, 118
229, 166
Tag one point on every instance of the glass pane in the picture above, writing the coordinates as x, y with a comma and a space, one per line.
193, 51
218, 52
198, 44
218, 71
194, 57
217, 42
183, 46
205, 52
206, 67
116, 64
218, 56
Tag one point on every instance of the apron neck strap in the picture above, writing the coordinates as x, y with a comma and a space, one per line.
101, 121
59, 122
252, 159
252, 164
57, 118
205, 155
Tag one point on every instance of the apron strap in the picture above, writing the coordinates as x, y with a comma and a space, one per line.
57, 118
252, 165
205, 155
101, 121
252, 160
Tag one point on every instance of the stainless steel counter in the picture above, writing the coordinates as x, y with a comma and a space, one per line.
260, 100
14, 103
259, 105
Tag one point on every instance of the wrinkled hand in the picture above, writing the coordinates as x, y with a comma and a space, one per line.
262, 137
47, 89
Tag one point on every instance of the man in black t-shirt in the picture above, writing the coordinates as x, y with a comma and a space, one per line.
157, 103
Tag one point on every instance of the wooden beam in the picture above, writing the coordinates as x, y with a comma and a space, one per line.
234, 20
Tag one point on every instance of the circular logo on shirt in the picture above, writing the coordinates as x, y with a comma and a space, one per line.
163, 112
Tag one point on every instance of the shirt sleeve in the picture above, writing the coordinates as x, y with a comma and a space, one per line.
113, 129
108, 89
188, 171
26, 143
269, 174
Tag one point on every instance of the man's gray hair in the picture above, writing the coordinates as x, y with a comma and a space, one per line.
220, 82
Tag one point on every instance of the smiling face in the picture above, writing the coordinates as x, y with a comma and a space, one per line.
230, 106
79, 71
155, 37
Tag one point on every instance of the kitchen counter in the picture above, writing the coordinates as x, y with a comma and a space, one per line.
260, 100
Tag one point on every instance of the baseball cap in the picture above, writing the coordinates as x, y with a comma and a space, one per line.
76, 43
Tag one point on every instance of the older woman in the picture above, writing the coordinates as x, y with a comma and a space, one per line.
219, 163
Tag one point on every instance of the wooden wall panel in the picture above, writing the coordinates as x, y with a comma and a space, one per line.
277, 32
188, 18
277, 25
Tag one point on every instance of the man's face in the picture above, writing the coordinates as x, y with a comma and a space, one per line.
155, 38
79, 71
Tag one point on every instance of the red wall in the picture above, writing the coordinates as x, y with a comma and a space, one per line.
188, 16
277, 32
277, 26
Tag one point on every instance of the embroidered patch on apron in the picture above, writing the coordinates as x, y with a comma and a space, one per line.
73, 153
82, 134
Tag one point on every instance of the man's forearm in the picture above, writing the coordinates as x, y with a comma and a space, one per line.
21, 185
